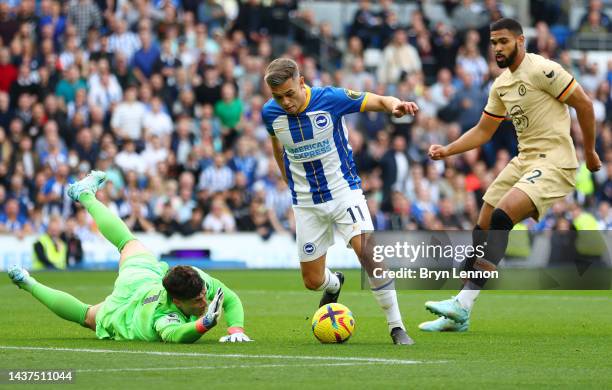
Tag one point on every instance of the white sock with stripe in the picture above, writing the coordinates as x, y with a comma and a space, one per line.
386, 297
331, 284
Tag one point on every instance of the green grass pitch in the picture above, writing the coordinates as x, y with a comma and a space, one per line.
517, 339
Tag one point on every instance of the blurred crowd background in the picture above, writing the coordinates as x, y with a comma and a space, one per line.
166, 97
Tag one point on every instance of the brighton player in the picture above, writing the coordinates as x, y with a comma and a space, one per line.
149, 302
534, 92
311, 148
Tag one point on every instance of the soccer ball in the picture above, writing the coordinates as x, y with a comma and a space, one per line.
333, 323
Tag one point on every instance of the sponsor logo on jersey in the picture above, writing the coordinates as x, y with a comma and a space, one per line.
310, 150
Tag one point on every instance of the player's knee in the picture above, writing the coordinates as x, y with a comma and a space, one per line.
500, 220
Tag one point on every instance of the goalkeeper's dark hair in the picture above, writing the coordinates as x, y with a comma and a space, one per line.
507, 24
281, 70
183, 282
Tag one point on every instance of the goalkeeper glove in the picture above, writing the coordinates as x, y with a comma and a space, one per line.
236, 335
209, 320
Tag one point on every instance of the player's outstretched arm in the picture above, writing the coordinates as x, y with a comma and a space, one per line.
279, 151
389, 104
171, 329
586, 117
233, 312
473, 138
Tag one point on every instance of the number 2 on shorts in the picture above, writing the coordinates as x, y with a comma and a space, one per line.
534, 175
350, 211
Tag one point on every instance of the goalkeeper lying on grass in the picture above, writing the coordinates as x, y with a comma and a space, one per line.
149, 302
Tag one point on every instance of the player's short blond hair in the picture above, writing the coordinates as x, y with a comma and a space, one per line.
281, 70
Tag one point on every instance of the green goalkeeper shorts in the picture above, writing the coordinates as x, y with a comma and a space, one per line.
138, 275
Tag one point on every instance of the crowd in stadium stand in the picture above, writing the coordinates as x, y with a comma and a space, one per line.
166, 97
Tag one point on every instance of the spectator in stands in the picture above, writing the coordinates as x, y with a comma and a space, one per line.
70, 83
128, 117
194, 224
366, 23
146, 57
84, 14
229, 111
399, 57
13, 222
219, 219
166, 223
468, 15
595, 24
74, 246
50, 251
595, 20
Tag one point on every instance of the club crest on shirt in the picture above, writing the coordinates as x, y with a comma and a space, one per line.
522, 90
321, 121
352, 94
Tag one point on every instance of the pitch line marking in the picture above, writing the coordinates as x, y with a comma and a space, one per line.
225, 355
230, 367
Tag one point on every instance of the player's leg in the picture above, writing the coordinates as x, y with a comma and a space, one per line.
382, 289
59, 302
514, 207
314, 236
470, 291
109, 224
353, 221
459, 307
90, 317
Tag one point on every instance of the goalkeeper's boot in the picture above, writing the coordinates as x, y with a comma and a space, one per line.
332, 297
20, 276
443, 324
400, 337
90, 183
450, 308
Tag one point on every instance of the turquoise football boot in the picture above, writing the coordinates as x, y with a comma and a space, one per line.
20, 276
90, 183
443, 324
450, 308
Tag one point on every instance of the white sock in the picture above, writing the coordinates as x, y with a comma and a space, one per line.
468, 295
387, 300
331, 284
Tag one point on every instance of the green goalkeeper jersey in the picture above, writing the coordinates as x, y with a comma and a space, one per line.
139, 307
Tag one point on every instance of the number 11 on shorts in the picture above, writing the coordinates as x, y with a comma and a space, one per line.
352, 214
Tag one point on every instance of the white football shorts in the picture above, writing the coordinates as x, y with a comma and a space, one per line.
315, 224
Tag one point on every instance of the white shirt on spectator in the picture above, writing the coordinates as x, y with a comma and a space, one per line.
128, 118
397, 59
103, 97
150, 158
158, 123
130, 162
224, 223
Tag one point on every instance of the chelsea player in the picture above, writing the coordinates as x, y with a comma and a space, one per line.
310, 142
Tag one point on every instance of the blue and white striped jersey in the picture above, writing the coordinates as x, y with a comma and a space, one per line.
318, 158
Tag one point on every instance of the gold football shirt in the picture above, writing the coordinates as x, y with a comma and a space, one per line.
533, 97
